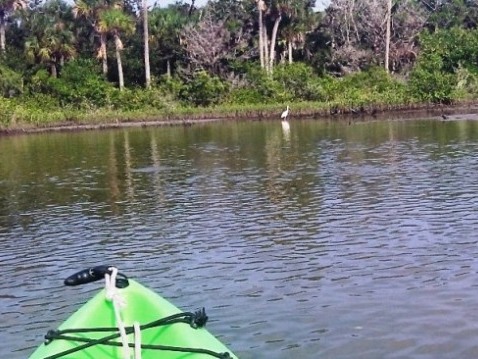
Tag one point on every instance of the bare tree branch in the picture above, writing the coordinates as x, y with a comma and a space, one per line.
358, 32
209, 45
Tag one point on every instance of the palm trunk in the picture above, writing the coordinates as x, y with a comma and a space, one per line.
261, 30
53, 71
273, 43
265, 44
168, 69
146, 45
2, 34
289, 44
387, 36
118, 61
104, 55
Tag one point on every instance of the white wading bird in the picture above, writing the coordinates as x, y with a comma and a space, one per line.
285, 123
285, 114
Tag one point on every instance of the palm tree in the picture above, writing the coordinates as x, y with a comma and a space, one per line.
6, 8
277, 20
261, 7
115, 21
51, 40
387, 36
49, 49
295, 11
165, 27
274, 12
301, 20
91, 10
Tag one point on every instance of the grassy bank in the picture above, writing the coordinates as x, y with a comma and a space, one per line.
20, 118
83, 99
74, 120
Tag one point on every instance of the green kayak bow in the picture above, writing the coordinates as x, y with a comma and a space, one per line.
129, 321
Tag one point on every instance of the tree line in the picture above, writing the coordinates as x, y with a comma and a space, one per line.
126, 55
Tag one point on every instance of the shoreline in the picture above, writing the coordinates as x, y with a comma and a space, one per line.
459, 111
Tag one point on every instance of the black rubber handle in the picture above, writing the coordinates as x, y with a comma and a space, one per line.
93, 274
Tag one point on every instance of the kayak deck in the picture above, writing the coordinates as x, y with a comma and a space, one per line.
142, 306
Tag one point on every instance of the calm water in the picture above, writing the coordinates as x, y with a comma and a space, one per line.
331, 241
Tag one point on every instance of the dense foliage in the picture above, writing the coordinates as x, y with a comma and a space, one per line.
63, 61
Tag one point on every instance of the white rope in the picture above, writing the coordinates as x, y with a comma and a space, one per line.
137, 341
119, 302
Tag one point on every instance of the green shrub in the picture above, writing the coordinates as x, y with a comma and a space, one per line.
432, 86
442, 73
10, 82
39, 101
7, 109
453, 46
137, 99
372, 86
79, 85
300, 81
244, 96
203, 90
258, 87
38, 82
428, 82
466, 84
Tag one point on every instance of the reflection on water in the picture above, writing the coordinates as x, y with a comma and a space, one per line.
286, 129
327, 240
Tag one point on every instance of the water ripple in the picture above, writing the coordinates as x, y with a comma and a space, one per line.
344, 241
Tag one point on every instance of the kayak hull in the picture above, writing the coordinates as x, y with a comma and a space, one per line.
142, 306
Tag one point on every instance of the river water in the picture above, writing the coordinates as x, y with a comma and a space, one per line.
331, 240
